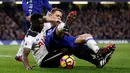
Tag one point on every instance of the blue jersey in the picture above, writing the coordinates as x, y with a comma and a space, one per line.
35, 6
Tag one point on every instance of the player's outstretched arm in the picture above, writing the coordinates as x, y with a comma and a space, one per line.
25, 58
43, 19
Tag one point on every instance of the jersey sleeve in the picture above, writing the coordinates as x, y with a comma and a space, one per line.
47, 5
29, 42
25, 7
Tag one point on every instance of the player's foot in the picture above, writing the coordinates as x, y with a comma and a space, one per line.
70, 18
105, 55
106, 50
18, 58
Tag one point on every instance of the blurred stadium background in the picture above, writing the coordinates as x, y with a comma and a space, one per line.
108, 21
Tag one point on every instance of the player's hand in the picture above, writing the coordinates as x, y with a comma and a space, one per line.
48, 19
51, 19
57, 21
28, 18
29, 67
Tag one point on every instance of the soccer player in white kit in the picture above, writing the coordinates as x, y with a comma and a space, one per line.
34, 40
37, 46
20, 51
30, 7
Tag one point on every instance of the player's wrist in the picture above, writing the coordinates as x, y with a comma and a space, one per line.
44, 19
28, 67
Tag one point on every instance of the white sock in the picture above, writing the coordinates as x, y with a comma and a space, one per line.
20, 51
91, 43
61, 27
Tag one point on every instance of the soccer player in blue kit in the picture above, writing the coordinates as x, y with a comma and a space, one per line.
31, 7
82, 46
34, 7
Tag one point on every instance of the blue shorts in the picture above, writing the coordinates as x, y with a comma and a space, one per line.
52, 42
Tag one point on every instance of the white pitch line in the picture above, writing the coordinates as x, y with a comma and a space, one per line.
5, 56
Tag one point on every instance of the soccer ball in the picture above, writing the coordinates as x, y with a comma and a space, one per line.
67, 61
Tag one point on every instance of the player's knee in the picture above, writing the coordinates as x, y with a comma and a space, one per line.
60, 27
82, 38
86, 36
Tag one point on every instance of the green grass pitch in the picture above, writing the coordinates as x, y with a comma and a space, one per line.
120, 62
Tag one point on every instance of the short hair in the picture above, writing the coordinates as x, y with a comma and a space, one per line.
35, 17
56, 9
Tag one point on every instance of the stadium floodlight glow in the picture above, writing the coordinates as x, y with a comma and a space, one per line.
18, 2
80, 2
54, 2
128, 2
1, 2
107, 2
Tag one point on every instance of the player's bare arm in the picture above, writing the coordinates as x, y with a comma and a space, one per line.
50, 19
25, 58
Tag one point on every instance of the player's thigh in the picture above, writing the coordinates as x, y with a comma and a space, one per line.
52, 60
67, 41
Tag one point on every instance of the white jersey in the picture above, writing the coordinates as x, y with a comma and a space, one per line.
39, 50
36, 44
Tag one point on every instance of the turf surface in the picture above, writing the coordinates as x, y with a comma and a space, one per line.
120, 62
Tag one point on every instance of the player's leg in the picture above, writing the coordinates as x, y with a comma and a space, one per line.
86, 38
102, 55
19, 54
100, 58
69, 42
78, 50
105, 55
52, 60
86, 54
20, 51
89, 41
62, 28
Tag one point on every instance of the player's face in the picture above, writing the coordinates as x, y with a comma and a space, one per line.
57, 15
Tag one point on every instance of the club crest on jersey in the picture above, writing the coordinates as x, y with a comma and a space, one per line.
37, 39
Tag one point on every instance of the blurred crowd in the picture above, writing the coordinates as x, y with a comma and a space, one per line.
102, 23
108, 23
9, 29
